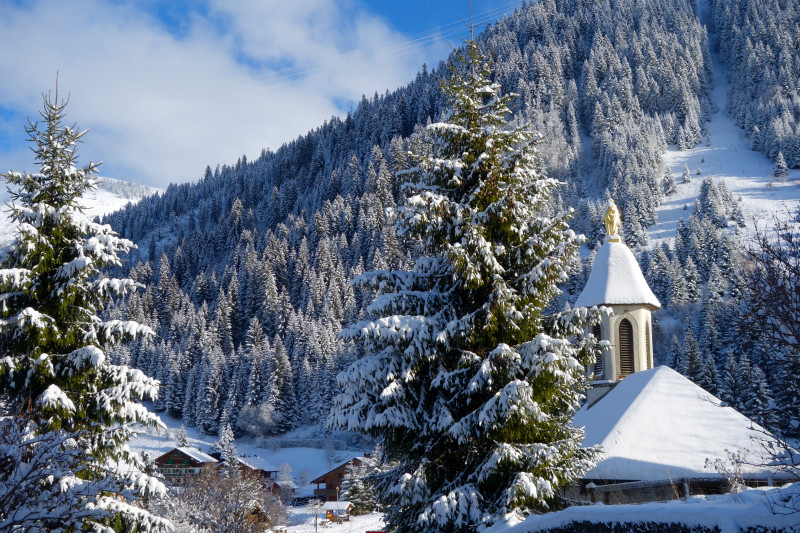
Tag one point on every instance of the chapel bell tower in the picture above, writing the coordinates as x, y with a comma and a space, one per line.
616, 281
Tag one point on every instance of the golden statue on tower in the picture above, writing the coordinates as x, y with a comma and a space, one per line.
612, 219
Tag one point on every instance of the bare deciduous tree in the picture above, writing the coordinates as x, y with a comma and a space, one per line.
223, 502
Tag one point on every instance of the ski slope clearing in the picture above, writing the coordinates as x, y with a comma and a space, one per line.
730, 159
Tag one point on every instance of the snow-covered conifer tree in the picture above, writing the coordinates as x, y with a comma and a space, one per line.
181, 438
226, 446
687, 176
788, 395
68, 467
281, 390
668, 184
695, 367
470, 384
760, 404
692, 278
733, 381
780, 166
355, 487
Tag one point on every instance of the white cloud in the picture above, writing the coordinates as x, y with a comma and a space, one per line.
160, 107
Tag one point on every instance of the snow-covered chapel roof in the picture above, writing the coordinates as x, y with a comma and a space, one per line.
616, 279
657, 425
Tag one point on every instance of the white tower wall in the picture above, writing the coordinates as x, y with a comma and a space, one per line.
641, 321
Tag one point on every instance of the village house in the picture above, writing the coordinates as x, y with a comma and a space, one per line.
330, 483
179, 463
265, 472
285, 489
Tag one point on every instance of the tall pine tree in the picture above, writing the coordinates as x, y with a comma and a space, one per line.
471, 385
67, 400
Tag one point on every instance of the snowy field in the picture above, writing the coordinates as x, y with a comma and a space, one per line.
730, 159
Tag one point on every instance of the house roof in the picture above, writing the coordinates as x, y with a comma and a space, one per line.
616, 279
657, 425
338, 506
253, 462
263, 464
195, 454
285, 483
246, 464
320, 479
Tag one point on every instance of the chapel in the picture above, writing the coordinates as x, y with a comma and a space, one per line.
657, 429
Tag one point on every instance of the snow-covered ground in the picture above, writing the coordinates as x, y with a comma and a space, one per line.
728, 158
97, 203
731, 513
302, 521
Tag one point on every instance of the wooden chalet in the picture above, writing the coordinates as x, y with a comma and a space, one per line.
179, 463
330, 483
285, 489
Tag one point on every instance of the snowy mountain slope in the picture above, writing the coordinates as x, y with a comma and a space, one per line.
728, 158
111, 196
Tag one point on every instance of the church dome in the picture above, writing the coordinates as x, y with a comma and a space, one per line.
616, 279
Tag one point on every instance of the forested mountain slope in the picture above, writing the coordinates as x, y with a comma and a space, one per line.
247, 269
759, 41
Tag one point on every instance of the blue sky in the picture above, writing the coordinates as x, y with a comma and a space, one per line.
168, 87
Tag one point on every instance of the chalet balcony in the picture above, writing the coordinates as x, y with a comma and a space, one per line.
328, 495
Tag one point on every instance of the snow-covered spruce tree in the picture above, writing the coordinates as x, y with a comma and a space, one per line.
668, 185
356, 488
181, 438
686, 176
67, 466
781, 169
226, 446
471, 386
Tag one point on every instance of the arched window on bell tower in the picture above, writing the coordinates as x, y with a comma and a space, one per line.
647, 345
598, 364
626, 347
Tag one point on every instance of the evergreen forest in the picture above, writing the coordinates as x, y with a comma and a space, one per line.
248, 269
